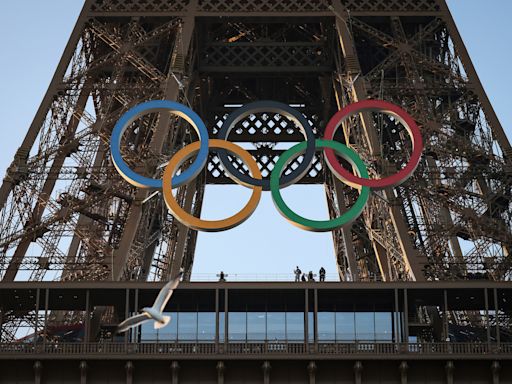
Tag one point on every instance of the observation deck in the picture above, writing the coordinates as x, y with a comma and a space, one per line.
425, 325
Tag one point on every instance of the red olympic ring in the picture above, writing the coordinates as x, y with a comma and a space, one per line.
374, 106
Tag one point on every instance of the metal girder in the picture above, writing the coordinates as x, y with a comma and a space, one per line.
171, 92
35, 127
240, 8
132, 56
413, 73
409, 255
45, 193
460, 47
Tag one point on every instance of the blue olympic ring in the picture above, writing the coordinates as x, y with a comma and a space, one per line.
158, 106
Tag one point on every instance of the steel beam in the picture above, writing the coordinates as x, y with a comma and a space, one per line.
409, 253
172, 89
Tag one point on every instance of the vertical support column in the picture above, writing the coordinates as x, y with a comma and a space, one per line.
449, 368
487, 320
129, 372
36, 322
495, 370
496, 310
87, 323
403, 368
312, 372
83, 372
45, 325
306, 320
396, 318
175, 370
266, 367
358, 372
406, 318
38, 371
445, 316
217, 320
126, 314
220, 372
1, 322
226, 320
315, 318
136, 331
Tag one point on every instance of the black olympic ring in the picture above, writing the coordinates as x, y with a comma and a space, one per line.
284, 110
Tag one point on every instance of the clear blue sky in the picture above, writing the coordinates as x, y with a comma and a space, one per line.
33, 34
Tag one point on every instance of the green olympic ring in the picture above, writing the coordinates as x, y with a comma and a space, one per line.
319, 225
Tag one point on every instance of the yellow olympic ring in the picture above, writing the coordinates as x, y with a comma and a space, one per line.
211, 225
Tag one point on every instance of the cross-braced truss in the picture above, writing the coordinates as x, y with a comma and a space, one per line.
65, 214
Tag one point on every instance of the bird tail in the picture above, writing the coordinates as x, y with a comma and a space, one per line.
159, 325
121, 328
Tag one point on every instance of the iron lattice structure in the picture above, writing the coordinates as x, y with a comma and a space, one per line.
67, 215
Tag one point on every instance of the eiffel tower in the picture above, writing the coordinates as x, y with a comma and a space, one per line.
66, 215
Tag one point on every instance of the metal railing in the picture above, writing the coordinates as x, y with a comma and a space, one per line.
256, 348
252, 277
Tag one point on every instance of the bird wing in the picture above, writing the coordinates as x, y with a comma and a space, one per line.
132, 322
165, 294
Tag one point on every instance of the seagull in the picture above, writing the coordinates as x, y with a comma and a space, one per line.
154, 312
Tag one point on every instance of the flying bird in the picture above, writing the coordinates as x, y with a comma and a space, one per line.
154, 312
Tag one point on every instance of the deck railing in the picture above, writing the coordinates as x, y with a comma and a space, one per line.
256, 348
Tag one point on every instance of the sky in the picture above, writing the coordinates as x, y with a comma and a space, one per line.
33, 34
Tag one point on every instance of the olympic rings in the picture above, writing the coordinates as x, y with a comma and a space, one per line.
374, 106
255, 181
157, 106
210, 225
284, 110
314, 225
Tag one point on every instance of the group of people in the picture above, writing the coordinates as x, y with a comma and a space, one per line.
300, 276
